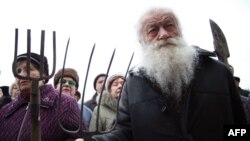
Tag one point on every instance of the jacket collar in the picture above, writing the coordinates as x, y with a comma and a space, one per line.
203, 52
108, 101
48, 96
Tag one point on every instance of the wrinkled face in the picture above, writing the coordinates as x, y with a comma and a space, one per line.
160, 25
116, 87
99, 84
68, 86
24, 84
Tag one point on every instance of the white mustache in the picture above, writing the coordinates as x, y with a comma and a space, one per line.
169, 42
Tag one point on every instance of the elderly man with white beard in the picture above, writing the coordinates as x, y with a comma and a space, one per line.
177, 92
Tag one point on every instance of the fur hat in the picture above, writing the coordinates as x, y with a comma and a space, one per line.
112, 79
68, 72
97, 77
35, 60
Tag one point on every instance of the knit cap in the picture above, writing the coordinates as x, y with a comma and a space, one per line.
35, 60
111, 79
97, 77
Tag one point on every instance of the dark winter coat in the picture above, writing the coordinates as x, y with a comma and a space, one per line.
246, 104
91, 104
210, 102
243, 92
6, 98
17, 112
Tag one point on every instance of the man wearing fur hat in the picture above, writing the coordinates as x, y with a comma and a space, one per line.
15, 117
70, 84
108, 105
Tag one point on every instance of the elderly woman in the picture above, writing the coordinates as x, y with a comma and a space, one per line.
14, 91
108, 106
15, 117
70, 83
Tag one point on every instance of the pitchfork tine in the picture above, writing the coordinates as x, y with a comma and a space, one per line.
64, 62
15, 53
60, 93
99, 100
28, 51
54, 56
85, 82
42, 53
123, 85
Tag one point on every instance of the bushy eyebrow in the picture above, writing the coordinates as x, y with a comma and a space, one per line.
153, 22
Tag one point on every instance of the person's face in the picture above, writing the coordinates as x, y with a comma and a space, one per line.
99, 84
24, 84
116, 87
159, 26
68, 86
15, 91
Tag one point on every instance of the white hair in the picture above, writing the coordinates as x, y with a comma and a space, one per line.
169, 63
149, 13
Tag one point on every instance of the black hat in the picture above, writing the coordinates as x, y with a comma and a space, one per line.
5, 90
97, 77
35, 59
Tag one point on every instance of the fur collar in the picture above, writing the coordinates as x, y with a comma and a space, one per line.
108, 101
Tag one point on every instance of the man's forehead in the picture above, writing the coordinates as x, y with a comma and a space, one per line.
101, 78
157, 16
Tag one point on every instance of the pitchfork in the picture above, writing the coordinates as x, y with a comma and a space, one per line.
87, 135
35, 94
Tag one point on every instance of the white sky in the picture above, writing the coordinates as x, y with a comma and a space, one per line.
112, 24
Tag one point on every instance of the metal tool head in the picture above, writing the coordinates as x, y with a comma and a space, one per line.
88, 135
28, 58
220, 44
219, 40
34, 106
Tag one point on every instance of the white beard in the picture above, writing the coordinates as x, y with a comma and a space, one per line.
170, 63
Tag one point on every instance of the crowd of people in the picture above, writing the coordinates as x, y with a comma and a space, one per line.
176, 92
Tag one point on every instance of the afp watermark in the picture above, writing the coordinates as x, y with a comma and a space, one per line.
236, 132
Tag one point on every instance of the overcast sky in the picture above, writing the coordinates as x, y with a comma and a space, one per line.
112, 24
